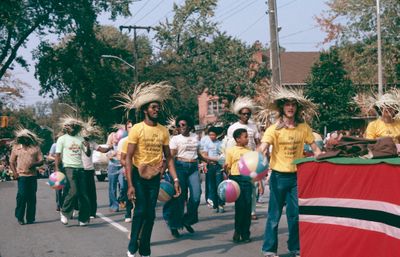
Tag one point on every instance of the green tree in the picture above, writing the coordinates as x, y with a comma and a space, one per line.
329, 88
20, 19
195, 56
352, 25
75, 72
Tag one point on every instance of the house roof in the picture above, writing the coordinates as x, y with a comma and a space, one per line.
296, 66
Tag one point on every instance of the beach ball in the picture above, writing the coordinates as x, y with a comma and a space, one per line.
254, 165
166, 192
229, 191
121, 133
57, 180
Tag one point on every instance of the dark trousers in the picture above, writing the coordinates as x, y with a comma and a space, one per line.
146, 192
26, 198
243, 207
91, 191
215, 177
76, 190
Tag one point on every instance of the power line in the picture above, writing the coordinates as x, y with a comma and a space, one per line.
155, 7
233, 8
250, 26
251, 3
133, 16
284, 5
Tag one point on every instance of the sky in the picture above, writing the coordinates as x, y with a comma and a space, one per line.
243, 19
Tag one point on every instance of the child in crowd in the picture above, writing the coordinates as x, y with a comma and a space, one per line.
243, 203
211, 153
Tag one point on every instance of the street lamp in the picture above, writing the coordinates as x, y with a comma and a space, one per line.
116, 57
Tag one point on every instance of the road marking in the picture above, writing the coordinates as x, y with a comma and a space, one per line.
113, 223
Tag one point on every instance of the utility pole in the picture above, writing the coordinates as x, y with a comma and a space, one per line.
378, 24
135, 48
274, 44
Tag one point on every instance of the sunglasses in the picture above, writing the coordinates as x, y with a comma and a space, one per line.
246, 113
180, 125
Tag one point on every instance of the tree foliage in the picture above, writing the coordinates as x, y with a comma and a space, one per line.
75, 72
20, 19
329, 88
353, 25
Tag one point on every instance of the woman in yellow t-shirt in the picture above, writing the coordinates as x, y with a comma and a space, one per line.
287, 136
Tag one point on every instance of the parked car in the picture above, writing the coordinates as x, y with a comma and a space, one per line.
100, 161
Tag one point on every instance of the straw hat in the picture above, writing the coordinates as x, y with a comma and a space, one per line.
90, 128
171, 123
282, 94
145, 93
22, 132
241, 103
372, 101
69, 121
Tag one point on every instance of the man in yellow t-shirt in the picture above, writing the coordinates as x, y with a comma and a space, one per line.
147, 142
287, 137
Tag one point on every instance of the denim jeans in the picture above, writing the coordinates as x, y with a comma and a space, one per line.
243, 206
146, 192
76, 190
189, 179
283, 189
113, 174
91, 191
123, 197
215, 177
26, 198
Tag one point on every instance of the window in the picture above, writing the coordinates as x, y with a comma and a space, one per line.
214, 107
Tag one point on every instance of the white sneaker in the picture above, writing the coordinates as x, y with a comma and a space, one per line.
128, 220
75, 214
92, 217
270, 255
129, 254
83, 224
64, 220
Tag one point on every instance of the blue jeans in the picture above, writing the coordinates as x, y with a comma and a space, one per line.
26, 198
215, 177
146, 192
113, 174
283, 189
189, 179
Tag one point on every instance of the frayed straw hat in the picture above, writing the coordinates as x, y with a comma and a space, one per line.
241, 103
282, 94
372, 101
22, 132
90, 128
69, 121
145, 93
171, 123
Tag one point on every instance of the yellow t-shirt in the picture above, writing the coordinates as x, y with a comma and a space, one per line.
288, 144
233, 155
149, 141
378, 128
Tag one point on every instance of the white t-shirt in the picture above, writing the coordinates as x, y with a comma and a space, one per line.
187, 147
252, 132
87, 160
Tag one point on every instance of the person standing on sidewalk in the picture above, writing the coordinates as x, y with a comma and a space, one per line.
147, 142
69, 149
25, 158
287, 136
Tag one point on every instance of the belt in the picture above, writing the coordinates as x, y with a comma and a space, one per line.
185, 160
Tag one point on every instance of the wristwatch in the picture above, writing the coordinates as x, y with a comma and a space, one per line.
176, 180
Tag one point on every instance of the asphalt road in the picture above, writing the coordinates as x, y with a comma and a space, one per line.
107, 235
